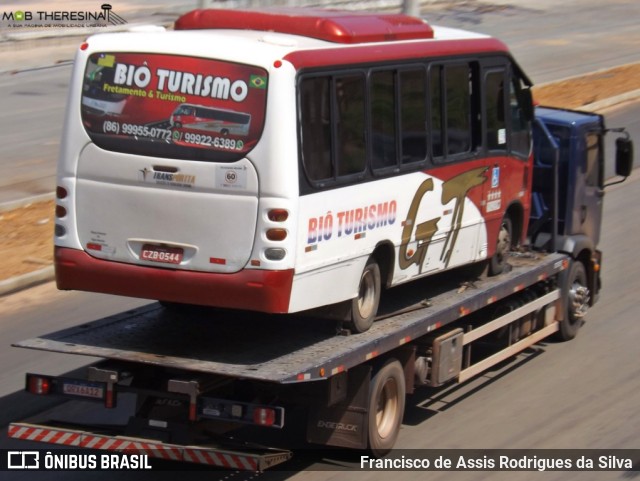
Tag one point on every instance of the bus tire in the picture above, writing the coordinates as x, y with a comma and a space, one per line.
498, 262
386, 407
364, 307
577, 301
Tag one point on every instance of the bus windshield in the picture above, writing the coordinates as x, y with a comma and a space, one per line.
173, 106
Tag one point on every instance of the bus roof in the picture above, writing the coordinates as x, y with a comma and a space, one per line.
329, 25
262, 48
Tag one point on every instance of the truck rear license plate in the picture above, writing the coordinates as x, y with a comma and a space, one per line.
166, 255
83, 390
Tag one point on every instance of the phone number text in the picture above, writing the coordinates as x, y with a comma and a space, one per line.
112, 127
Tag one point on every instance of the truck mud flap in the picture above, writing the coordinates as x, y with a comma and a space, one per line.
243, 460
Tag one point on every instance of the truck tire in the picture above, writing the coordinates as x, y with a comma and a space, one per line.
364, 307
577, 301
386, 407
503, 246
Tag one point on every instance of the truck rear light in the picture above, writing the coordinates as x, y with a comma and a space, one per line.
60, 230
109, 398
38, 385
276, 234
264, 416
61, 192
278, 215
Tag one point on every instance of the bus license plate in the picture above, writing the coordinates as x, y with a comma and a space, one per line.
166, 255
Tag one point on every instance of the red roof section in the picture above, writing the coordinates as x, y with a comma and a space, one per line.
389, 52
330, 25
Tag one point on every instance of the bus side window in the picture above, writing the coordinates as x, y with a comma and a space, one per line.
458, 110
351, 124
383, 119
413, 116
437, 110
315, 119
496, 133
454, 111
398, 118
520, 126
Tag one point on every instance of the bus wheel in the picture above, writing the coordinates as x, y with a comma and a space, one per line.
503, 246
578, 298
386, 407
365, 307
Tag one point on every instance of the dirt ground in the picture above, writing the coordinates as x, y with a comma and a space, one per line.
26, 233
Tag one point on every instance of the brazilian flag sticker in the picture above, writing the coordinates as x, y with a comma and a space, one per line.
258, 82
106, 60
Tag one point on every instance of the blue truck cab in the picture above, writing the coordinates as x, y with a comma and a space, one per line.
568, 184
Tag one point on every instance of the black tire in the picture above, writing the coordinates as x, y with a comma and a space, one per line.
577, 301
386, 407
504, 244
364, 307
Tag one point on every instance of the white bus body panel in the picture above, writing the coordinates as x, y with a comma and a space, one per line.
333, 246
122, 203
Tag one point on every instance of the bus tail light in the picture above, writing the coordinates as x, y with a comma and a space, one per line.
38, 384
278, 215
275, 254
60, 211
61, 192
276, 234
60, 230
264, 416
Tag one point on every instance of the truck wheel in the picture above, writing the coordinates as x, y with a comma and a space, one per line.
503, 246
386, 407
577, 301
365, 306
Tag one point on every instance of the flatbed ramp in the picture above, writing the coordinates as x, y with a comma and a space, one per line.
281, 349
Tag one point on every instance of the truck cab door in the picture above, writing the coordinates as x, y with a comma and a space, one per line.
588, 203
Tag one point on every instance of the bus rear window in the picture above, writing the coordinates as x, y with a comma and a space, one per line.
173, 106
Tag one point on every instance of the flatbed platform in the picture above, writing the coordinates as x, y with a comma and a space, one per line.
292, 348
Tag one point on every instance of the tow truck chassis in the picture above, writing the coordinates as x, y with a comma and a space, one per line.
190, 395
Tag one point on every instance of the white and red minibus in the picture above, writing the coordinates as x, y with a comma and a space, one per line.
379, 150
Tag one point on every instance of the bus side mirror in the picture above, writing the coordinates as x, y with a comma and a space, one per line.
624, 157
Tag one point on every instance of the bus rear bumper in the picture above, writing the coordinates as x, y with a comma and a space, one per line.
257, 290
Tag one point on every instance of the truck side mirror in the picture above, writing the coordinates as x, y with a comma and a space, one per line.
624, 157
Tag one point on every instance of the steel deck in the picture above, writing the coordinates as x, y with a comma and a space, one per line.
285, 349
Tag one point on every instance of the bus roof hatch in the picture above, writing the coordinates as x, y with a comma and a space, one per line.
330, 25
